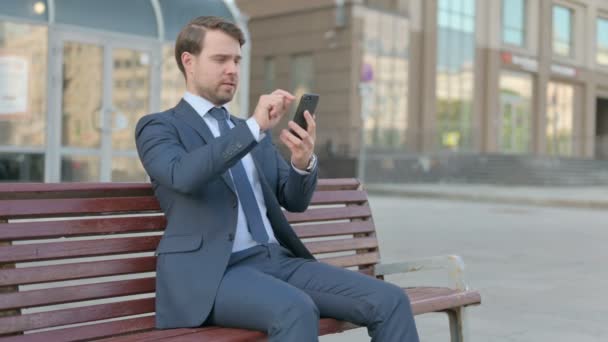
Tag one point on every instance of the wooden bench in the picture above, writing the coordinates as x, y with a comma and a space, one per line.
78, 258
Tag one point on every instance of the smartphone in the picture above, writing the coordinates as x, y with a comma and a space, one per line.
308, 102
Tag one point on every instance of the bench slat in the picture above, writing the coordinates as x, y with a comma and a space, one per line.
67, 294
328, 214
353, 260
32, 208
81, 270
98, 330
77, 188
333, 229
77, 249
68, 228
12, 324
341, 245
338, 197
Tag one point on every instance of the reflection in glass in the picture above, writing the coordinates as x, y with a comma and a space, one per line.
130, 95
386, 57
173, 83
455, 73
515, 112
513, 22
302, 75
560, 114
562, 31
23, 61
82, 95
79, 169
21, 167
127, 169
602, 41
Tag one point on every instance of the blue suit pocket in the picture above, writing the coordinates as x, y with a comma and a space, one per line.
179, 244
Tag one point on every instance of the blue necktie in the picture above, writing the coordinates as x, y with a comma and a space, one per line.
243, 186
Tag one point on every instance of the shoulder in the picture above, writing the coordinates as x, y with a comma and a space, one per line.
162, 118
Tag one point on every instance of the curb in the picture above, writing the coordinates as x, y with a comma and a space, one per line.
450, 196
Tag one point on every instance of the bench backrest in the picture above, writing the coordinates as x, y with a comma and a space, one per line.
78, 253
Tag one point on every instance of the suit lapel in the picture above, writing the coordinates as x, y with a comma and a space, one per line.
191, 117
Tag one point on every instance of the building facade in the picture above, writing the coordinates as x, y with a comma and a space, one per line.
439, 77
76, 75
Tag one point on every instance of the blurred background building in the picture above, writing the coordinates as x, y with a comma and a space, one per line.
498, 91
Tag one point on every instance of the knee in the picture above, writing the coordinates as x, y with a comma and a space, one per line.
392, 299
300, 310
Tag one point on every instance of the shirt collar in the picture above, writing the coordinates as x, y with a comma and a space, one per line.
201, 105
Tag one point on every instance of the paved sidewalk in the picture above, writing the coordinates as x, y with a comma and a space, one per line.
573, 197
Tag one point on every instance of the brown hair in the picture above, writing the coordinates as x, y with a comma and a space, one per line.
191, 37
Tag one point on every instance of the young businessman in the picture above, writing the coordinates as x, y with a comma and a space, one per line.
228, 256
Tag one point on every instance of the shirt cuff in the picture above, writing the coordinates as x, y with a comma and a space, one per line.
258, 135
311, 166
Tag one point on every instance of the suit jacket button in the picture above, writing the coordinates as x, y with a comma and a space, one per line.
231, 237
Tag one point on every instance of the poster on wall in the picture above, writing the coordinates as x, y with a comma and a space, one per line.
14, 74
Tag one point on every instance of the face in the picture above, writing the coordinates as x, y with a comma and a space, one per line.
214, 73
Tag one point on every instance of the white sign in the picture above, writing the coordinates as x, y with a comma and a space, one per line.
563, 70
13, 85
525, 63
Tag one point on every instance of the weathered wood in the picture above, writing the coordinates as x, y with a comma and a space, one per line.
72, 228
4, 267
328, 214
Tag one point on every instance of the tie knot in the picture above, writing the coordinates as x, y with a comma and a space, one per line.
219, 114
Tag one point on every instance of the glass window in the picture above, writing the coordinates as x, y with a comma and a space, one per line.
560, 115
173, 83
302, 75
21, 167
602, 41
562, 31
455, 73
269, 74
385, 61
514, 22
79, 169
81, 115
515, 112
135, 16
23, 70
177, 13
29, 9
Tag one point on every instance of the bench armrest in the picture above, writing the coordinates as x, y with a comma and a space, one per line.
453, 263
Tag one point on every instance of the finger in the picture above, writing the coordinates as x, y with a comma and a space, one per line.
312, 125
284, 93
298, 129
287, 141
294, 139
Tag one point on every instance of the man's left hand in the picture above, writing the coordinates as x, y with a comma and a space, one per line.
302, 145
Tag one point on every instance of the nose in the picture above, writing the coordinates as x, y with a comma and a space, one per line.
232, 68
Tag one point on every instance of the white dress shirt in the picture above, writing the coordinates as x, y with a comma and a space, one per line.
242, 238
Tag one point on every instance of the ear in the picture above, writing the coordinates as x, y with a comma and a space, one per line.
187, 61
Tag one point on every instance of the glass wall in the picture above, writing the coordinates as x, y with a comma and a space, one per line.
602, 41
455, 74
514, 22
23, 99
515, 114
562, 31
560, 115
385, 58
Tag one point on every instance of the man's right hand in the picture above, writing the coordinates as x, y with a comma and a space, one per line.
271, 108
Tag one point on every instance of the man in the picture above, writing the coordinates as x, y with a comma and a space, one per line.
228, 256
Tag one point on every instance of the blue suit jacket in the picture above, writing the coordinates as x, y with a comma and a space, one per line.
188, 168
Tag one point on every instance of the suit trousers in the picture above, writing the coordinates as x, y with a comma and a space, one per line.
266, 288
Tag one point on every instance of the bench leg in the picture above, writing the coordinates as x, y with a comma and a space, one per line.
458, 326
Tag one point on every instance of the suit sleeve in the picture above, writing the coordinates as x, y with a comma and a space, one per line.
166, 160
294, 190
